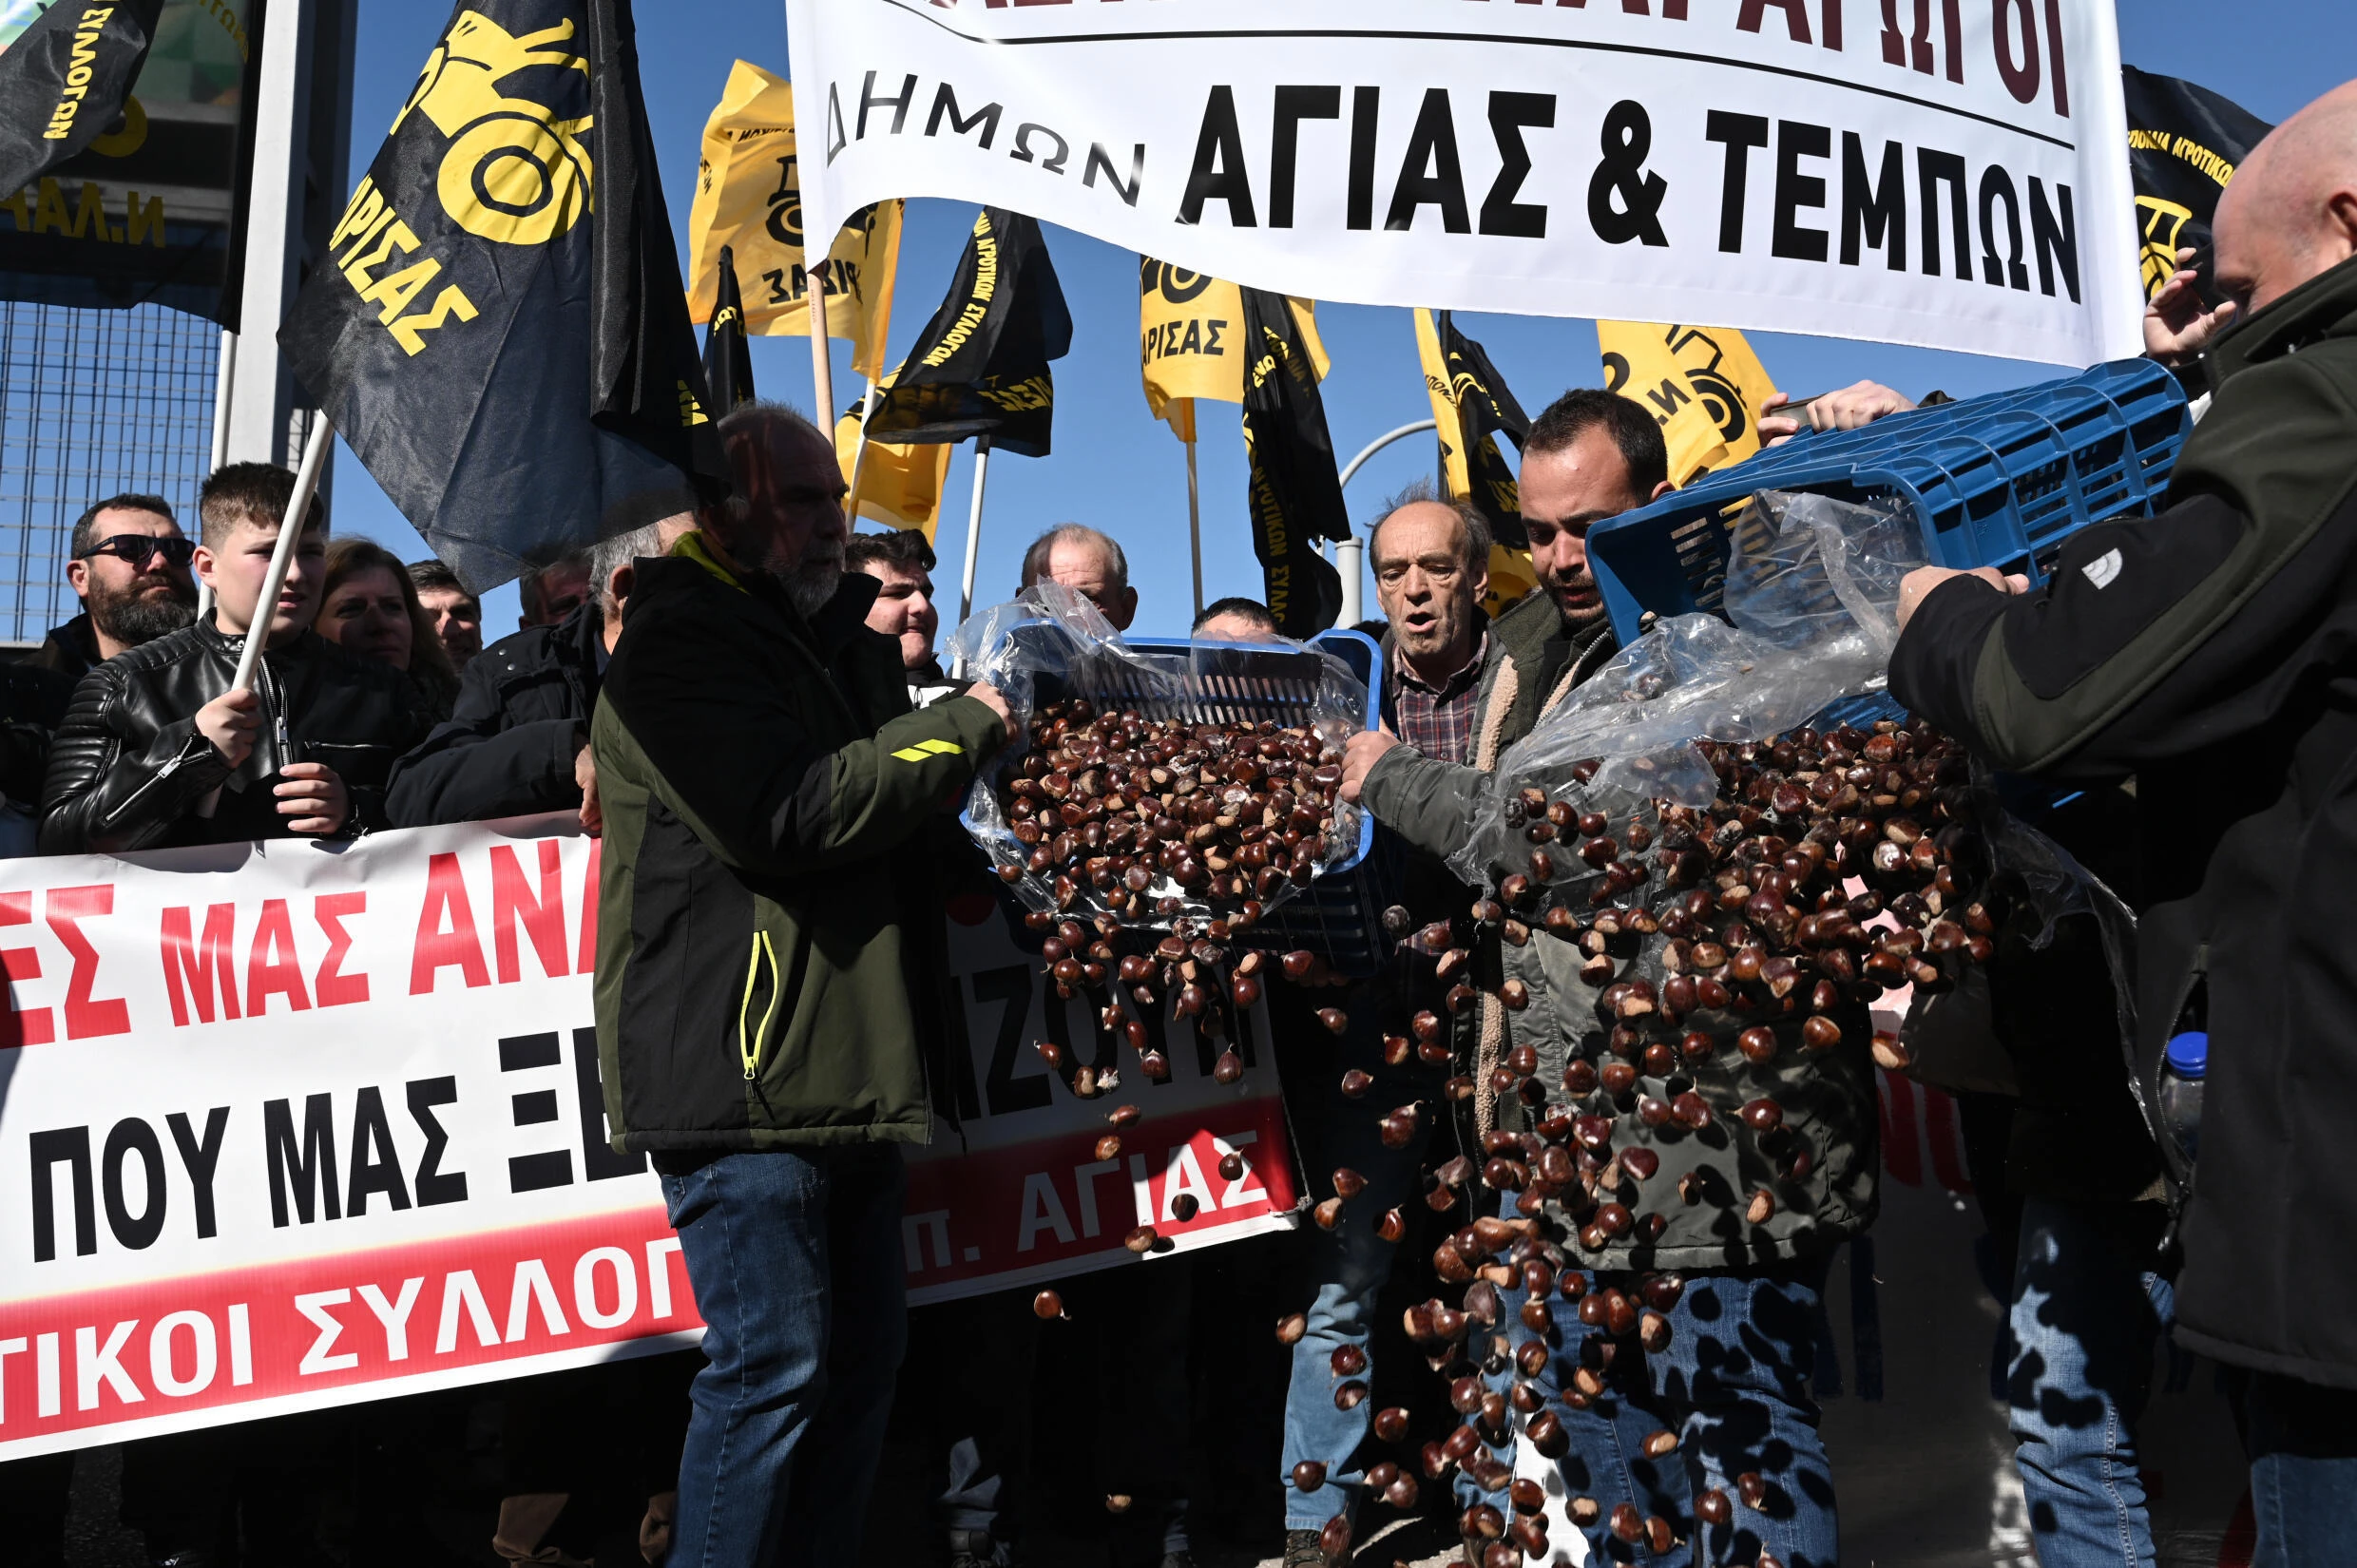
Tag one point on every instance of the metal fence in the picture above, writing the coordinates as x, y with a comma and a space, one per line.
92, 403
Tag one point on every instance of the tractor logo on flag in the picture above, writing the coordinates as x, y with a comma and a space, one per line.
1174, 284
2163, 222
514, 172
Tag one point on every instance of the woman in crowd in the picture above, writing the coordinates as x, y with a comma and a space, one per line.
370, 608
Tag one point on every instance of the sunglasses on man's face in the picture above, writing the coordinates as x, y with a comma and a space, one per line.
138, 550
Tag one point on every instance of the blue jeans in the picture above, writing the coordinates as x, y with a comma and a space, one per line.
2302, 1443
1734, 1385
1348, 1265
796, 1261
2089, 1301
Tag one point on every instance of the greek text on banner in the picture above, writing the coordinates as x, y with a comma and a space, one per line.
1940, 172
288, 1125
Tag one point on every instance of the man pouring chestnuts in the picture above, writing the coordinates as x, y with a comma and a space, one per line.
1623, 1373
2205, 650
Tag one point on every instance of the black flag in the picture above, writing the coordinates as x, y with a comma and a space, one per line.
64, 80
1464, 381
980, 367
728, 359
1296, 495
2184, 143
501, 332
152, 209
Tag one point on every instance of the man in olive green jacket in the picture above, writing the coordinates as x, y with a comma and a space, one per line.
760, 1014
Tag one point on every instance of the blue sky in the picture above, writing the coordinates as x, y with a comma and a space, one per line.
1117, 468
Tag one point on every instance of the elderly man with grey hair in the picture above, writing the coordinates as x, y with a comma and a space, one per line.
518, 740
1088, 563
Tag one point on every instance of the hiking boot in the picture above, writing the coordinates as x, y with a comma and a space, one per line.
1303, 1551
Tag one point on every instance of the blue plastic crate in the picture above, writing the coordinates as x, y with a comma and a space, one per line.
1998, 481
1339, 914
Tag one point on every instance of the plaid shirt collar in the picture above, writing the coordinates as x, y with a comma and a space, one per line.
1438, 721
1455, 685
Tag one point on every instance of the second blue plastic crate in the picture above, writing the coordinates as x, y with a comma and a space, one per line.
1998, 481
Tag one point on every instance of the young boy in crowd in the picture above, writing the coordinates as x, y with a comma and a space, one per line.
158, 750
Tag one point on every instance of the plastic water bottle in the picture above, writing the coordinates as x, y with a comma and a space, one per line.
2184, 1065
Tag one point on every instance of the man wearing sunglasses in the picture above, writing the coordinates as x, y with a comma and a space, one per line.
129, 568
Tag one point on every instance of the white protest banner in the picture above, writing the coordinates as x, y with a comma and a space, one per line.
1018, 1193
1941, 172
290, 1125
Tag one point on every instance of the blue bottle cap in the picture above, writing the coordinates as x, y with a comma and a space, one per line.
2189, 1054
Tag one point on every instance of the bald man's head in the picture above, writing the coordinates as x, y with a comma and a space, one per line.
2289, 214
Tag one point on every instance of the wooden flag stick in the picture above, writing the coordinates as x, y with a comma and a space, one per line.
224, 380
1194, 526
822, 355
860, 447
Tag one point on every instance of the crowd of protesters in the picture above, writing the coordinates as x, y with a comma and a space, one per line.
748, 703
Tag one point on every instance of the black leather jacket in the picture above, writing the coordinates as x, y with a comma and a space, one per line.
71, 650
129, 771
508, 747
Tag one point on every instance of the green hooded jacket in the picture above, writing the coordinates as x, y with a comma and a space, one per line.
765, 942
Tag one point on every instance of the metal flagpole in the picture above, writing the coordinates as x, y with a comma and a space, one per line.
822, 357
1194, 526
283, 555
225, 379
973, 528
315, 447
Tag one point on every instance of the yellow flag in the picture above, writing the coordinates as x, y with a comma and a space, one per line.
1190, 341
748, 196
1511, 577
1704, 384
1439, 387
1470, 404
900, 486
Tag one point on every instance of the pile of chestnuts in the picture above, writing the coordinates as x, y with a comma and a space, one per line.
1154, 844
1832, 867
1149, 820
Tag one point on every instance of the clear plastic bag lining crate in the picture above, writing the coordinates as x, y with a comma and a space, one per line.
1052, 645
1812, 590
1805, 571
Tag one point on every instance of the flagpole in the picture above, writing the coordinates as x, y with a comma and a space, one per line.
973, 528
1440, 332
860, 448
283, 555
224, 379
315, 449
822, 359
1194, 524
